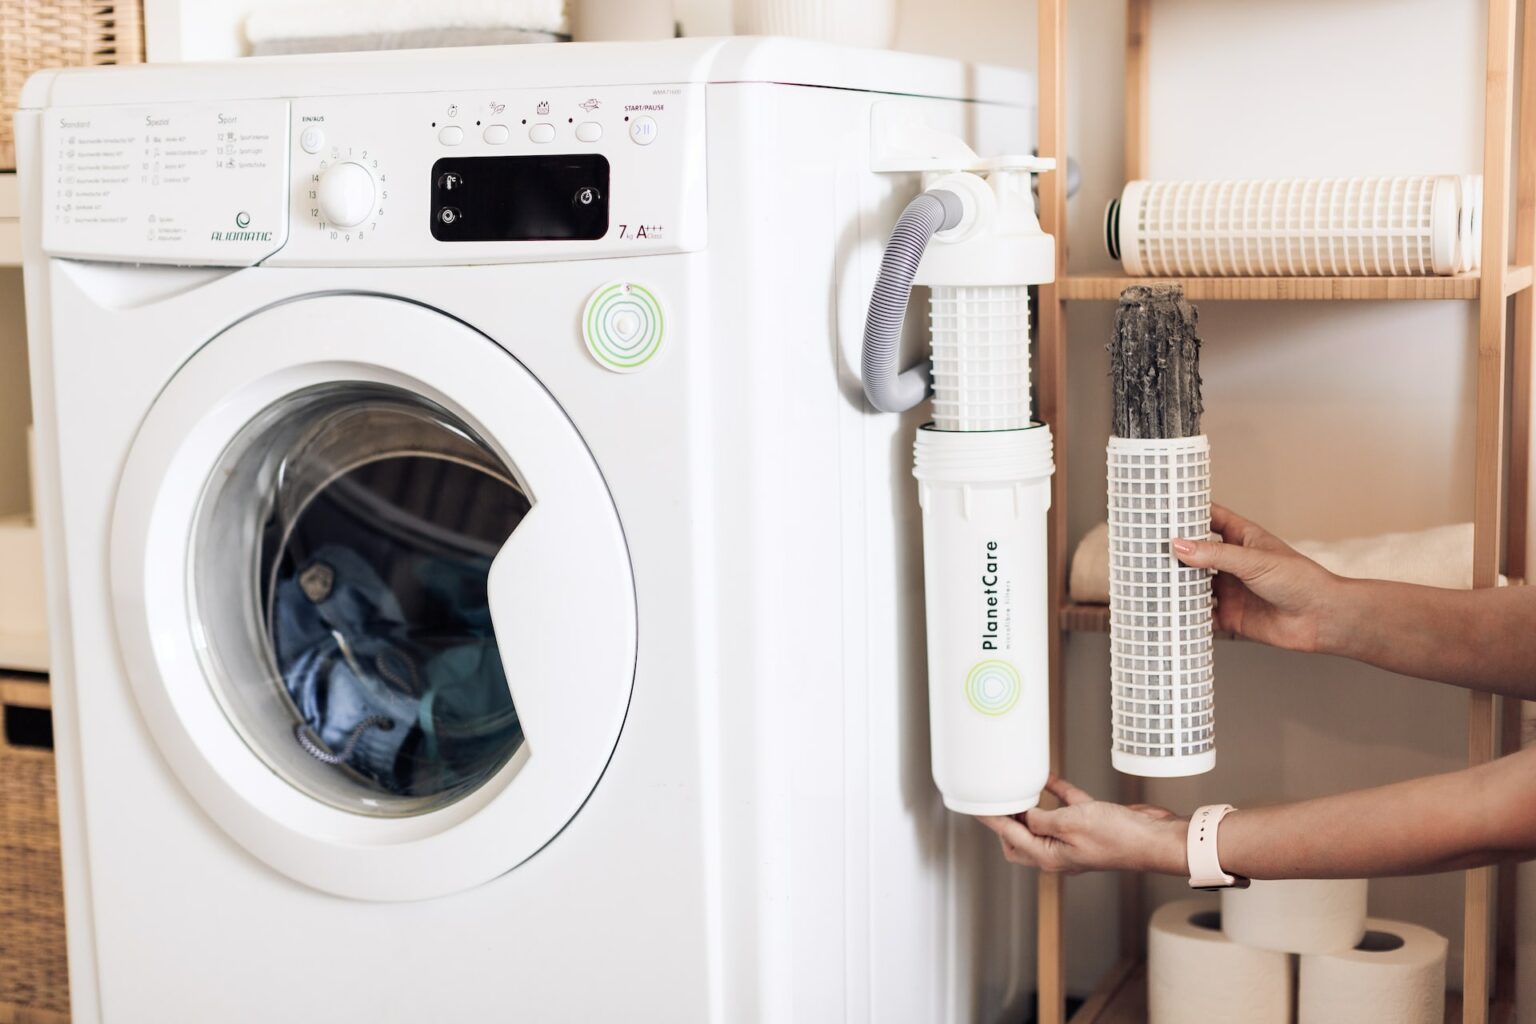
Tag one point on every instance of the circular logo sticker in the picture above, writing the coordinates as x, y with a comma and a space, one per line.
622, 326
993, 687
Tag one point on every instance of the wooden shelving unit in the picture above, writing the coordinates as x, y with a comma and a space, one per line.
1501, 478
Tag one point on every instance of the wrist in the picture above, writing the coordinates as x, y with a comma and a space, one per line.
1169, 855
1339, 629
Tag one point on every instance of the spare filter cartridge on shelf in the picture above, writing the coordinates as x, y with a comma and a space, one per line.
983, 468
1334, 227
1162, 692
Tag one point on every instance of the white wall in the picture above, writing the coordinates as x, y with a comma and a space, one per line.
1326, 420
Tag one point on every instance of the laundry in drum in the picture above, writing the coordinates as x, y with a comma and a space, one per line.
380, 623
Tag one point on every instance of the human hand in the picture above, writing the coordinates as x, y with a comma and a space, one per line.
1093, 835
1265, 590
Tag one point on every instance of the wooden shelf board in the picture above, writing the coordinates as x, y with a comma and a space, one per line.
25, 691
1122, 999
1107, 287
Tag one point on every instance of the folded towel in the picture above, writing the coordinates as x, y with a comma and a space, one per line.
1438, 557
396, 24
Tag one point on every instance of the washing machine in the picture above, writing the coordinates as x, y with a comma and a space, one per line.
480, 591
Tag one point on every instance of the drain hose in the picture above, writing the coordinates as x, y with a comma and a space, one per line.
924, 216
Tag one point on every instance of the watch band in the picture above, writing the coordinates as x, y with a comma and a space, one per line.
1205, 870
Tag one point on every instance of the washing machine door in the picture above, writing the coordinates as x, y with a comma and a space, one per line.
373, 597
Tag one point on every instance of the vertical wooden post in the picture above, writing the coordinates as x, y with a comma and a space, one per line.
1052, 353
1488, 504
1131, 789
1517, 558
1137, 18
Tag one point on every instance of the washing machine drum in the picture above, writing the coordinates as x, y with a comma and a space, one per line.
373, 597
383, 519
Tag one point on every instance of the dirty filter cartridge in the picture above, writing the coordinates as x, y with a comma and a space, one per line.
1161, 676
1334, 227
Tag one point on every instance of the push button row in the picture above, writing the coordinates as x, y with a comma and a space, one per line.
642, 130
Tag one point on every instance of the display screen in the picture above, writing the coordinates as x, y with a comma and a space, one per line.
519, 198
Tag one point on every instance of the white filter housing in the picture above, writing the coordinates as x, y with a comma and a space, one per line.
1297, 227
1161, 679
984, 498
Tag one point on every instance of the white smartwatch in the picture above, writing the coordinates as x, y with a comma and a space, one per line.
1205, 871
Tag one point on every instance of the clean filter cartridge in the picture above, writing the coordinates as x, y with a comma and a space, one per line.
1411, 225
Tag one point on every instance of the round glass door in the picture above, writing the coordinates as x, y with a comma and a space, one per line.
373, 596
340, 564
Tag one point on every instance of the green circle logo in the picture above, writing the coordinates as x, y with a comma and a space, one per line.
623, 326
993, 687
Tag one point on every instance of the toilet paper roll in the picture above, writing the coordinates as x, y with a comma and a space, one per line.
1195, 974
1300, 915
1395, 975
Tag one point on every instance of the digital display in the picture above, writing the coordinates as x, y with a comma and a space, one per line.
519, 198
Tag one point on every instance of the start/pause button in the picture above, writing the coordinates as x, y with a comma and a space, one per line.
643, 130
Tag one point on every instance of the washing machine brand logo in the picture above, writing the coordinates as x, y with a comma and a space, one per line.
992, 687
992, 629
243, 234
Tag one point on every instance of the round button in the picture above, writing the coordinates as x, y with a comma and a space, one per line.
589, 131
622, 326
626, 324
345, 195
448, 181
586, 196
643, 130
542, 132
497, 134
451, 135
449, 215
311, 139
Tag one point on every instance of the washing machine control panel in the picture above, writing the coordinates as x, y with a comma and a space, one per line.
188, 183
395, 179
511, 176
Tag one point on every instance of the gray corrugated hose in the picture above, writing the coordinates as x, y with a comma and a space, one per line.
887, 390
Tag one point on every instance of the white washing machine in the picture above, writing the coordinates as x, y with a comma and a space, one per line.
480, 591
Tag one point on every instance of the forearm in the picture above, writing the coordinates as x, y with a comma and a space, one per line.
1444, 822
1482, 639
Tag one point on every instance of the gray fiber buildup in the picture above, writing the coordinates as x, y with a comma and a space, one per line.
1154, 364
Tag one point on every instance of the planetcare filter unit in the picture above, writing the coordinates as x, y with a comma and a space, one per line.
984, 470
1333, 227
1162, 686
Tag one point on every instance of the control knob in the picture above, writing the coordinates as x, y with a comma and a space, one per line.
346, 195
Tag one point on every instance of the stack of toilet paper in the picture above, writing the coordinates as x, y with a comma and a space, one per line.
1234, 960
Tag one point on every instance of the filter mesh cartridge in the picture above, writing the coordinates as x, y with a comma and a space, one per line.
980, 357
1297, 227
1161, 678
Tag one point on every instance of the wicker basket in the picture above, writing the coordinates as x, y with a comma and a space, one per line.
34, 977
37, 34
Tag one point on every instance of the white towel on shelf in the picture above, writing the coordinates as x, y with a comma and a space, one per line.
1438, 557
285, 27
